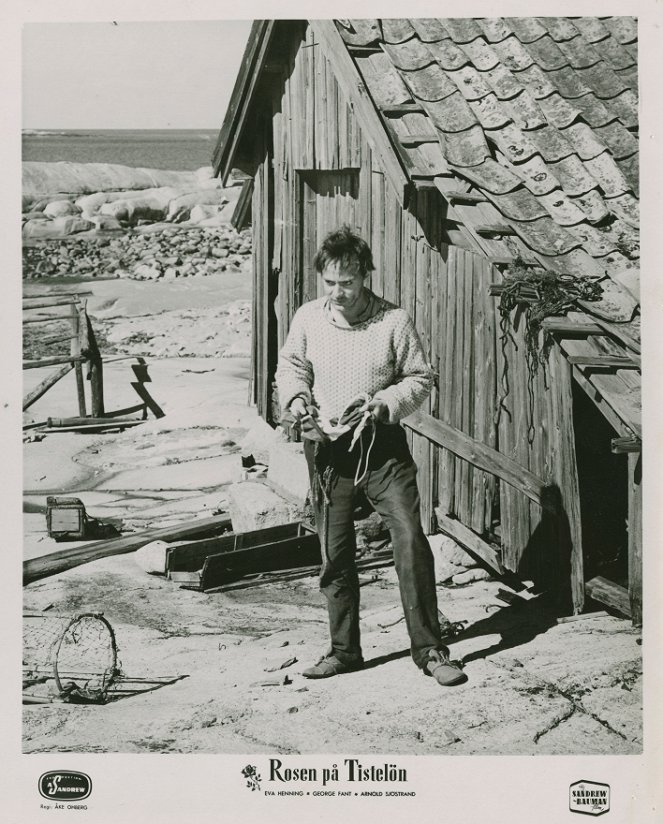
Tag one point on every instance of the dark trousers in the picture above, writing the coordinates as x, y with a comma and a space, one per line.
391, 487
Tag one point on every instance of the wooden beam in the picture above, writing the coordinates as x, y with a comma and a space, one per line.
416, 139
47, 565
43, 387
42, 304
635, 537
398, 109
469, 540
562, 326
479, 455
466, 197
55, 361
603, 362
362, 106
46, 319
610, 594
609, 413
489, 229
621, 445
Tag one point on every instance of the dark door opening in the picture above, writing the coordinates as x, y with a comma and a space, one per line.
603, 484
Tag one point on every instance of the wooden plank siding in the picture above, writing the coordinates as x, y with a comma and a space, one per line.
324, 171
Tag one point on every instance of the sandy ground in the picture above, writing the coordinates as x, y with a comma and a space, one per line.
535, 686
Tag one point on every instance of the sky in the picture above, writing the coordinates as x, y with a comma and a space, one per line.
152, 75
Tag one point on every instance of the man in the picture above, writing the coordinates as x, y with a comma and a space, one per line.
351, 368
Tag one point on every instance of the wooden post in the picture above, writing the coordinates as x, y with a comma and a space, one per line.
635, 536
90, 350
75, 350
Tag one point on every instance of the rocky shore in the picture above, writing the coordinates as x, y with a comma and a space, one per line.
166, 231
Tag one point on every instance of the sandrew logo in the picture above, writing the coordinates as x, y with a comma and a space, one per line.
589, 798
61, 785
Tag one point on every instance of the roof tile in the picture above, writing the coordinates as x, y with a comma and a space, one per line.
503, 82
452, 114
592, 28
383, 81
630, 168
577, 262
360, 32
560, 28
629, 77
490, 112
519, 205
537, 81
430, 83
617, 55
569, 82
527, 29
515, 145
579, 52
548, 54
536, 175
471, 84
397, 30
625, 29
608, 175
468, 148
462, 29
603, 81
491, 176
513, 54
595, 242
625, 207
448, 55
481, 55
495, 28
573, 175
619, 140
545, 236
525, 111
559, 111
551, 143
430, 29
594, 112
592, 205
565, 211
625, 105
411, 55
584, 141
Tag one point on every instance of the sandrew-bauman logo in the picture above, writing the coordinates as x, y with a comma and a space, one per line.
65, 785
589, 798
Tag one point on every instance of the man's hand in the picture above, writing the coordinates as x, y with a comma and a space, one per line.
379, 410
298, 408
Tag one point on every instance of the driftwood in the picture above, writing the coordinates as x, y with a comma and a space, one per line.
46, 565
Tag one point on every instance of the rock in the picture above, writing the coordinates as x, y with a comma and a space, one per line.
200, 212
259, 440
106, 223
471, 575
61, 208
447, 551
180, 207
57, 228
253, 505
288, 472
152, 557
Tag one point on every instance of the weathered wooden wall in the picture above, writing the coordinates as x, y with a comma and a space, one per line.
323, 174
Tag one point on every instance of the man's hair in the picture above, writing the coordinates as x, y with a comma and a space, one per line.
346, 248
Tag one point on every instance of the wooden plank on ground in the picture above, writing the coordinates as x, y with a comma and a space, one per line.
47, 565
469, 540
610, 594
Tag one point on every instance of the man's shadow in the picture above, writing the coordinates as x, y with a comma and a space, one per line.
546, 561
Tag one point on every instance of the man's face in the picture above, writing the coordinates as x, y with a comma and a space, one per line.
343, 285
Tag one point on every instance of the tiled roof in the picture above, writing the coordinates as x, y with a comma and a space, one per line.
536, 118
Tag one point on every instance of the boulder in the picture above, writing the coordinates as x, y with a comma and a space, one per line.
133, 210
259, 440
180, 207
152, 557
288, 472
471, 575
61, 208
447, 551
203, 212
106, 223
57, 228
252, 505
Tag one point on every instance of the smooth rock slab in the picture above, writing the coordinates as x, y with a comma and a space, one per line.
253, 505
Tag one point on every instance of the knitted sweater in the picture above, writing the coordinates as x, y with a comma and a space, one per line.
331, 365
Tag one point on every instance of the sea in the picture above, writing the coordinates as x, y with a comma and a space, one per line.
173, 149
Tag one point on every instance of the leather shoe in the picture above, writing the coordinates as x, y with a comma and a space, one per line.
329, 665
446, 672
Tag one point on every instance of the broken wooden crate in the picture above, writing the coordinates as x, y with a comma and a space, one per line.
205, 564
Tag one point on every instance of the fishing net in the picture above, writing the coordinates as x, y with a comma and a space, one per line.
71, 657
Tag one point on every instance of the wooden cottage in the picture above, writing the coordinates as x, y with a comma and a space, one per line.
470, 152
